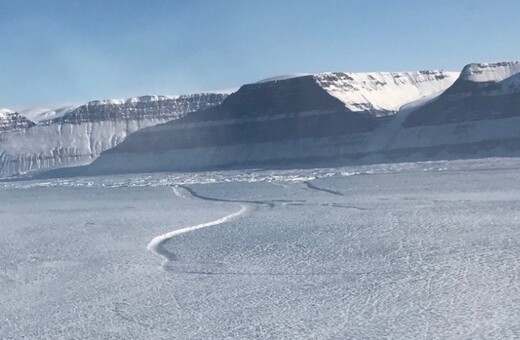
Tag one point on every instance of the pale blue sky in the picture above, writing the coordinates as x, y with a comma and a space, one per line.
67, 51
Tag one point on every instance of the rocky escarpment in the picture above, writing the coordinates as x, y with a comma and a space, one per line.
300, 119
83, 133
483, 92
259, 113
139, 108
337, 118
13, 121
478, 116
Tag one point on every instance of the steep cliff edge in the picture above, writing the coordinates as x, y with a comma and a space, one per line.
482, 92
478, 116
83, 133
299, 119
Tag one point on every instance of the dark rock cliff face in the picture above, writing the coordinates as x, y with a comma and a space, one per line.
314, 119
263, 100
469, 100
13, 121
276, 97
478, 116
331, 114
464, 104
266, 123
145, 107
294, 128
337, 119
257, 113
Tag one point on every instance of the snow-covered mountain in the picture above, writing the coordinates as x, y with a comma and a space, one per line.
296, 120
478, 115
288, 119
81, 134
13, 121
40, 114
483, 92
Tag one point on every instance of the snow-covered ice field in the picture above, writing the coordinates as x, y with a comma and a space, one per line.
400, 251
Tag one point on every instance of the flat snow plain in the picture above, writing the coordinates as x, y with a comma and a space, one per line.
400, 251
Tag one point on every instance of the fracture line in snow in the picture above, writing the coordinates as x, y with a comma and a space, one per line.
333, 192
156, 245
194, 194
314, 187
293, 274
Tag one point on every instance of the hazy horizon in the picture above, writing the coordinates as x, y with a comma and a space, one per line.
72, 52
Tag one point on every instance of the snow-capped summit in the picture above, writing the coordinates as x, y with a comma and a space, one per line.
13, 121
369, 94
490, 72
129, 101
139, 108
283, 77
4, 112
41, 114
376, 93
148, 99
484, 91
99, 102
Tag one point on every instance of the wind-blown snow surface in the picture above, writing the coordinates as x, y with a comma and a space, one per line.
80, 135
401, 251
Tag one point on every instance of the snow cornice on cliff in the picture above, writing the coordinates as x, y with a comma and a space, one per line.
490, 72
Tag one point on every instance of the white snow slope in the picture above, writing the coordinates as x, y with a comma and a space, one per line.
384, 91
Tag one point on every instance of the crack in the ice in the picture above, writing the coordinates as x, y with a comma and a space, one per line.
339, 205
311, 186
200, 272
157, 245
329, 191
270, 204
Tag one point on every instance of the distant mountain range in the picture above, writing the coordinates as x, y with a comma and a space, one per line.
300, 120
76, 136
